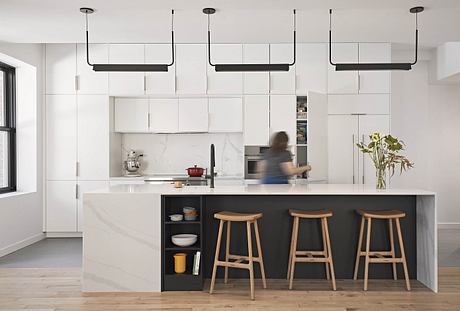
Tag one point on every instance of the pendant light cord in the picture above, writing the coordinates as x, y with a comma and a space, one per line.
87, 39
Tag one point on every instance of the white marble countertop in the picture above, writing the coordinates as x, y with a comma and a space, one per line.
310, 189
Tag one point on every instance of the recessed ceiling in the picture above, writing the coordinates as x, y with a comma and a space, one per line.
236, 21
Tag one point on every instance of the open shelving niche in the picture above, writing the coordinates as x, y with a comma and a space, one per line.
171, 281
301, 130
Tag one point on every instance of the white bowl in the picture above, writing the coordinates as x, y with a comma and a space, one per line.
176, 217
184, 240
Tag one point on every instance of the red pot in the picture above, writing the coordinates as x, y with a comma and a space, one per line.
195, 171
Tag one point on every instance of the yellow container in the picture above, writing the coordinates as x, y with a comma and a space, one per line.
179, 262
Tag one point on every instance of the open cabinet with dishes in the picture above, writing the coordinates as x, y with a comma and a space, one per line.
182, 243
302, 130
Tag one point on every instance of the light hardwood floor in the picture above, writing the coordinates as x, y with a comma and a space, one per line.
59, 289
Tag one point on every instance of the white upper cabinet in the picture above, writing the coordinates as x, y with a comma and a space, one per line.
283, 115
225, 82
89, 81
60, 68
126, 83
61, 137
93, 137
131, 115
160, 82
193, 114
164, 115
191, 68
343, 82
359, 104
311, 68
256, 82
225, 115
282, 82
256, 120
374, 81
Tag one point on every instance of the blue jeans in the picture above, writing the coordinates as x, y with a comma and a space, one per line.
275, 180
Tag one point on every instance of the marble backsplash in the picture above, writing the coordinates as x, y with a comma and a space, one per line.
173, 153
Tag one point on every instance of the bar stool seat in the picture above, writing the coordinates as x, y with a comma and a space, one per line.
238, 261
384, 256
311, 256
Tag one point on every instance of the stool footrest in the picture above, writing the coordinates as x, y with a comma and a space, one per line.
312, 259
232, 264
246, 258
310, 253
385, 260
377, 253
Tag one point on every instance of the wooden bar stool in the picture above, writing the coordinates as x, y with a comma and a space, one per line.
309, 256
381, 256
238, 259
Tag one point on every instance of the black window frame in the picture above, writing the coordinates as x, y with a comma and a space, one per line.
9, 87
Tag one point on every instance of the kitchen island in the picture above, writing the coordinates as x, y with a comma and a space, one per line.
127, 246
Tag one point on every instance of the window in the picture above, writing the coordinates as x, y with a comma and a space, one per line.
7, 129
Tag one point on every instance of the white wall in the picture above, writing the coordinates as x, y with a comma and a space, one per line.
427, 118
21, 216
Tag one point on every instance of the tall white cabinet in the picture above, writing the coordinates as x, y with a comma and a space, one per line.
283, 115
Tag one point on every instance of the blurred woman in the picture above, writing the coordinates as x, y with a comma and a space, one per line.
277, 166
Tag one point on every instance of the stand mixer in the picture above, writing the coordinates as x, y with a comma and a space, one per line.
132, 164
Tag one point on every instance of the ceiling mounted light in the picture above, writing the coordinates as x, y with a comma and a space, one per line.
247, 67
375, 66
128, 67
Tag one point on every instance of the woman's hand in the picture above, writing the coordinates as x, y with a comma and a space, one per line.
290, 170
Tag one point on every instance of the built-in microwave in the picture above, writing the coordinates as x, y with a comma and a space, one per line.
252, 156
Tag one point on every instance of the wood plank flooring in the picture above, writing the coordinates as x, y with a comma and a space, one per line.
59, 289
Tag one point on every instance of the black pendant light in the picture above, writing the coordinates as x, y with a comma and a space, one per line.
128, 67
247, 67
375, 66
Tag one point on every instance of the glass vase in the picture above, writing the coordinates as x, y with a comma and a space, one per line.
380, 178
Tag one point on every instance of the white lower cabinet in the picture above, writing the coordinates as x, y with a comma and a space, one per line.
164, 115
225, 115
283, 116
193, 115
82, 188
256, 120
61, 206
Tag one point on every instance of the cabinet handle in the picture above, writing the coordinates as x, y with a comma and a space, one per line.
353, 153
359, 82
76, 191
145, 83
77, 168
148, 120
362, 142
77, 84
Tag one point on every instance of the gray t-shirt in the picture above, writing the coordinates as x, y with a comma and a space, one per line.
273, 162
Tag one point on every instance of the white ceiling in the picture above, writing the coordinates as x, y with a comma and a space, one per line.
236, 21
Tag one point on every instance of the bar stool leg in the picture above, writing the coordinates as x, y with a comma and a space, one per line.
227, 250
368, 244
259, 253
329, 252
325, 249
216, 257
290, 250
358, 252
403, 255
392, 248
293, 250
250, 259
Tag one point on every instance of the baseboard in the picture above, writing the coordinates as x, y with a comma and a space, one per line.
64, 234
449, 225
21, 244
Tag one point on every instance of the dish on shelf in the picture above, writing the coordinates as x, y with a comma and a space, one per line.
184, 240
190, 213
176, 217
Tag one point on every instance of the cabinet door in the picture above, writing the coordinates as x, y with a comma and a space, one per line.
60, 68
191, 68
89, 81
160, 82
93, 137
283, 115
256, 120
256, 82
83, 187
225, 82
368, 125
317, 134
343, 82
61, 137
61, 206
126, 83
225, 115
131, 115
374, 81
282, 82
164, 115
193, 115
311, 68
342, 150
359, 104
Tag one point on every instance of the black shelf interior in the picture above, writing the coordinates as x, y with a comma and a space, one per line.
186, 281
